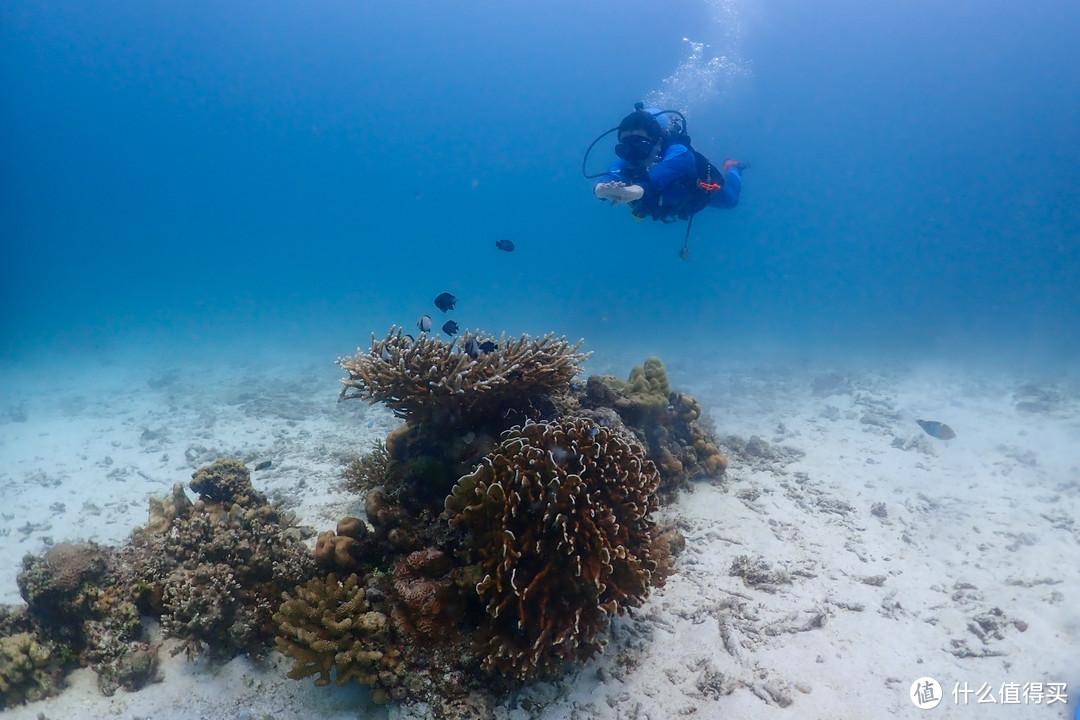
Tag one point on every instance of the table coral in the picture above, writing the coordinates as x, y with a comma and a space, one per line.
431, 381
558, 516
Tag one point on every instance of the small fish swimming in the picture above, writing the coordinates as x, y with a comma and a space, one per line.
488, 346
472, 348
450, 327
385, 354
424, 323
504, 245
445, 301
937, 429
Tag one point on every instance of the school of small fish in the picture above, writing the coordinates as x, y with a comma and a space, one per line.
446, 302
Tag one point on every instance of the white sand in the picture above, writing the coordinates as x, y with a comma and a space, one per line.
985, 527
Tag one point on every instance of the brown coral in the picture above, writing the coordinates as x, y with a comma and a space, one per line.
216, 575
339, 626
558, 517
226, 483
30, 669
678, 439
431, 381
63, 585
427, 605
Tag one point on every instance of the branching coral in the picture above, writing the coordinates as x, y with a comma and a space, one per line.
431, 381
340, 626
215, 577
558, 518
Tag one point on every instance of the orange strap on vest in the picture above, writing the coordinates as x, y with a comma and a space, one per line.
709, 187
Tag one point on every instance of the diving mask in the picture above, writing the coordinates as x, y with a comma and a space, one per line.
635, 149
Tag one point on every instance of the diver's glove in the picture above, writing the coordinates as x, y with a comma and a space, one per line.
618, 192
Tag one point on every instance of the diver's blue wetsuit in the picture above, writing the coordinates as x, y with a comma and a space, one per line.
670, 185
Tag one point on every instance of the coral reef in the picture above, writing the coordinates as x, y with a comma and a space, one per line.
73, 600
368, 470
558, 519
226, 483
340, 626
216, 576
430, 381
667, 423
213, 571
63, 585
30, 669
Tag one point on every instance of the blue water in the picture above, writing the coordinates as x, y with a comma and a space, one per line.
210, 175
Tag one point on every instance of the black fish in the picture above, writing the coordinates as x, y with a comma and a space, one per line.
472, 348
937, 429
505, 245
450, 327
488, 346
445, 301
424, 323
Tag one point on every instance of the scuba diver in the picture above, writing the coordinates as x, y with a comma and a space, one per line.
659, 174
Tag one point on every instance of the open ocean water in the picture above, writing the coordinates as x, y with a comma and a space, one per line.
218, 176
235, 183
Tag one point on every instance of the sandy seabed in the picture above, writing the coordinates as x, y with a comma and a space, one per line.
844, 555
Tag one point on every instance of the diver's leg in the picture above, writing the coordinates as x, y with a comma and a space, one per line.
728, 196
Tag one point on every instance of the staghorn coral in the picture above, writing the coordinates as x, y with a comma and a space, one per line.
431, 381
558, 518
331, 625
368, 470
30, 669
